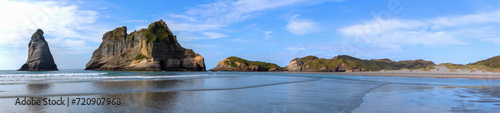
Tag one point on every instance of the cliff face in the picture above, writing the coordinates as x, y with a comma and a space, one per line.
239, 64
151, 49
39, 56
295, 65
344, 63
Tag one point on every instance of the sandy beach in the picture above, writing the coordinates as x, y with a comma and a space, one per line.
252, 92
438, 72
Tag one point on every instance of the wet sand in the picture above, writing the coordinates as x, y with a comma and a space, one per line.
252, 94
257, 92
409, 98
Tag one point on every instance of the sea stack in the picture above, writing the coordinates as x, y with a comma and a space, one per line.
151, 49
39, 56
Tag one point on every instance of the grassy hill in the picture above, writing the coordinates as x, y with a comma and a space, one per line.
232, 62
315, 63
489, 65
493, 62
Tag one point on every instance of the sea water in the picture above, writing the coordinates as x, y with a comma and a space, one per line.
156, 91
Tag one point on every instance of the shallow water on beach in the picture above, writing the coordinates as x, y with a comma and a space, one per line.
246, 92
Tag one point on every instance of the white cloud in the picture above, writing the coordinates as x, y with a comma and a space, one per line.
267, 34
375, 27
491, 40
239, 40
183, 17
21, 19
215, 16
69, 46
214, 35
193, 27
466, 20
69, 30
301, 26
392, 33
187, 36
295, 49
136, 21
229, 11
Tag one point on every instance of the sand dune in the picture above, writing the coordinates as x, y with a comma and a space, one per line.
439, 72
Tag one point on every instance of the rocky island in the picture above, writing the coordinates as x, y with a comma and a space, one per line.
238, 64
151, 49
39, 56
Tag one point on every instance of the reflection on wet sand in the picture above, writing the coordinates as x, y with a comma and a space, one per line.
492, 91
137, 85
149, 86
139, 99
429, 98
317, 96
143, 101
37, 89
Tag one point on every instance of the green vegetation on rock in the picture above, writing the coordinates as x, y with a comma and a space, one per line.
232, 62
157, 32
315, 63
99, 57
188, 50
493, 62
116, 35
469, 67
489, 65
140, 56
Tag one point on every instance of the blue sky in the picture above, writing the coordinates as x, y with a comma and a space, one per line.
455, 31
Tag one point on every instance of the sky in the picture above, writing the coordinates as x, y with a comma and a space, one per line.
277, 31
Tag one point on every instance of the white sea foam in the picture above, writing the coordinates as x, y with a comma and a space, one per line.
86, 76
138, 77
51, 74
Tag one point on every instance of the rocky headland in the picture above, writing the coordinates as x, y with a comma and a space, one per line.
345, 63
239, 64
151, 49
39, 56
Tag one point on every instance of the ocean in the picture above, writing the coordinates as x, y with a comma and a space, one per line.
156, 91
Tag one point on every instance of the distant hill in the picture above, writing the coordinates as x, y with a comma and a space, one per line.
493, 62
489, 65
239, 64
345, 63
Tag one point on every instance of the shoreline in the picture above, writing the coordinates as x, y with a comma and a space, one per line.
414, 74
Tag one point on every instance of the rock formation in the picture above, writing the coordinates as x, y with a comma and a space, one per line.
295, 65
39, 56
239, 64
344, 63
151, 49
